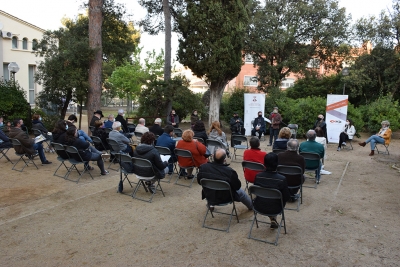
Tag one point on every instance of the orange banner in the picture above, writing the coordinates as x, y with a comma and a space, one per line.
336, 105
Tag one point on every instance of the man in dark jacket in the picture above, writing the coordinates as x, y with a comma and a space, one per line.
217, 170
258, 125
98, 114
291, 158
236, 127
276, 120
156, 128
165, 140
28, 145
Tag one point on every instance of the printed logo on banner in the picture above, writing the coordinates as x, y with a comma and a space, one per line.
335, 121
254, 99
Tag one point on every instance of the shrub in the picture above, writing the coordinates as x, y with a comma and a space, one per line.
233, 103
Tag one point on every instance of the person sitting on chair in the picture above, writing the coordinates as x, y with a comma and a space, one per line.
347, 133
253, 154
38, 125
4, 141
217, 170
271, 179
146, 150
100, 132
141, 128
292, 158
98, 114
283, 138
72, 119
165, 140
215, 133
28, 145
120, 138
124, 124
382, 137
236, 127
311, 146
109, 122
193, 118
258, 125
200, 131
156, 129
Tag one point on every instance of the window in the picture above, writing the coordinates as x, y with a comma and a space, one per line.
6, 73
286, 83
31, 72
15, 42
248, 59
250, 81
25, 44
313, 63
34, 44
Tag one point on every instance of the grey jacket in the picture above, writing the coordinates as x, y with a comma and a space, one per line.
121, 139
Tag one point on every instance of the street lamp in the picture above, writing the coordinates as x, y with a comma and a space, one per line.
13, 68
345, 72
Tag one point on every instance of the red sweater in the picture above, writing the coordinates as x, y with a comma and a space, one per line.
254, 155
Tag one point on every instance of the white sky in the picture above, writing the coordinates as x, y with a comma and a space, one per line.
47, 14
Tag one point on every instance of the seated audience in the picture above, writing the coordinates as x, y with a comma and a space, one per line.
100, 132
109, 122
346, 134
200, 131
253, 154
98, 114
271, 179
382, 137
124, 124
215, 133
146, 150
217, 170
258, 125
156, 129
5, 142
292, 158
87, 152
173, 119
237, 127
38, 125
72, 119
283, 137
197, 149
311, 146
28, 145
59, 131
165, 140
322, 140
120, 138
141, 128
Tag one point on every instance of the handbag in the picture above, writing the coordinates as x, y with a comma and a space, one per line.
207, 154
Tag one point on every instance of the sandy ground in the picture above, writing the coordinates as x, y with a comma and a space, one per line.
351, 219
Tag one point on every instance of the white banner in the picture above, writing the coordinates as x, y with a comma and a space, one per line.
336, 115
253, 103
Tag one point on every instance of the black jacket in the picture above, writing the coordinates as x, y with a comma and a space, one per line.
123, 123
276, 181
222, 172
156, 129
103, 135
36, 124
203, 135
236, 126
82, 147
150, 153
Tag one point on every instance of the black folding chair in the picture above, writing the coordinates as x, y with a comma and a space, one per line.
166, 151
76, 159
98, 143
269, 194
139, 163
213, 145
277, 151
124, 161
295, 175
62, 157
178, 132
199, 139
219, 186
16, 143
185, 154
114, 150
310, 158
108, 130
91, 128
254, 166
3, 154
138, 137
239, 139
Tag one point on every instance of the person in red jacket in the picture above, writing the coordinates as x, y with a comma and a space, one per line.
197, 149
253, 154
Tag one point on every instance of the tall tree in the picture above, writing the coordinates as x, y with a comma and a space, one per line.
211, 43
93, 102
284, 35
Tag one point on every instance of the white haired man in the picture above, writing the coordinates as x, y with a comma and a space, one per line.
121, 139
141, 128
120, 118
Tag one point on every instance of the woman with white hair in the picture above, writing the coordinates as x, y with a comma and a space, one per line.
382, 137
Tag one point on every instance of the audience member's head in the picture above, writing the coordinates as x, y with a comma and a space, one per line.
71, 135
169, 129
116, 125
173, 111
271, 162
60, 127
285, 133
216, 125
98, 124
121, 112
142, 121
292, 145
254, 142
99, 114
17, 123
187, 135
111, 117
199, 126
148, 138
311, 135
219, 155
72, 118
320, 117
157, 121
35, 117
319, 132
385, 124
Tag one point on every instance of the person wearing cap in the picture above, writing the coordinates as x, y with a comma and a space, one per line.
98, 114
156, 128
276, 120
258, 125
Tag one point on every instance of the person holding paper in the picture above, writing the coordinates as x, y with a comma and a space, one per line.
258, 125
28, 145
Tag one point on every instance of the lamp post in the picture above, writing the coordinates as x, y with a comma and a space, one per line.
345, 72
13, 68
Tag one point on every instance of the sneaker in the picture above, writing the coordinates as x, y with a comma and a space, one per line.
344, 144
105, 156
325, 172
338, 149
269, 145
211, 208
317, 181
189, 177
46, 162
105, 172
274, 224
170, 173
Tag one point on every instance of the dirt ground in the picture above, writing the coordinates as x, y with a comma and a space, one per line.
351, 219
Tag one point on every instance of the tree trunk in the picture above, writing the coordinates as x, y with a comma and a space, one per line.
93, 101
167, 61
66, 104
216, 92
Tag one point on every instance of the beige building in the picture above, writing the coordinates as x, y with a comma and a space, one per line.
17, 43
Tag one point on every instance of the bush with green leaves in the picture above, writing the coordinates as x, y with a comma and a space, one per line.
355, 114
382, 109
233, 103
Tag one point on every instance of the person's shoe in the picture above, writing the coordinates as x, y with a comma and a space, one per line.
152, 188
362, 144
325, 172
372, 153
338, 149
170, 173
211, 208
269, 145
344, 144
46, 162
189, 177
274, 224
105, 172
105, 156
318, 180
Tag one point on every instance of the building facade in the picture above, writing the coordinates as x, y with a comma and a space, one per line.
17, 43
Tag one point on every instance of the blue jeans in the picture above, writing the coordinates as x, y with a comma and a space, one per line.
243, 197
375, 139
39, 148
318, 172
84, 136
273, 135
